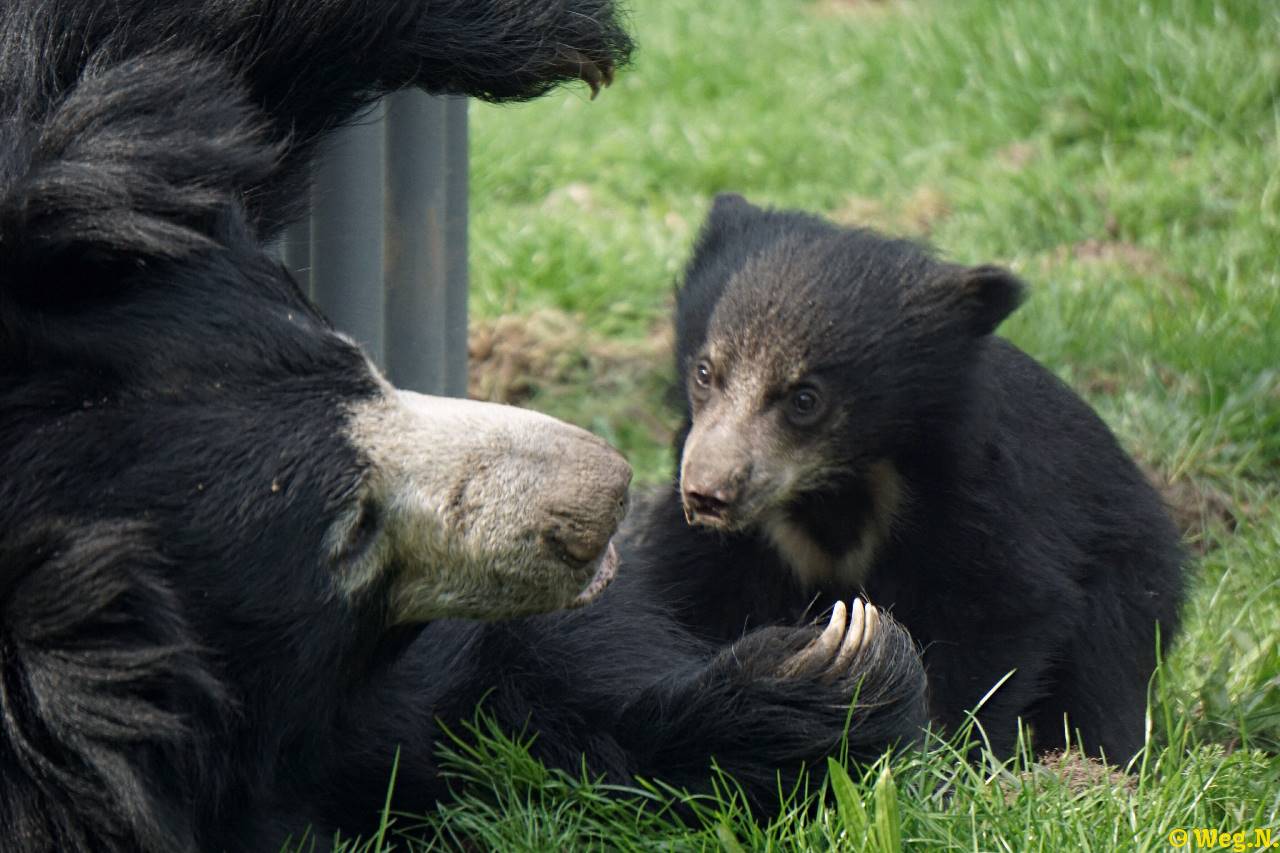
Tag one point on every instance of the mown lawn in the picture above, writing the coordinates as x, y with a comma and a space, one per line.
1123, 156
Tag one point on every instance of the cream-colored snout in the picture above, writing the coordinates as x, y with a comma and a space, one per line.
490, 511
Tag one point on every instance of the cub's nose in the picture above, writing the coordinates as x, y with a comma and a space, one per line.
709, 502
715, 472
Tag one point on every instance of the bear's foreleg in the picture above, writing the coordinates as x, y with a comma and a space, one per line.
779, 700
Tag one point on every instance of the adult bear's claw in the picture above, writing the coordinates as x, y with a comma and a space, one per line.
596, 76
832, 653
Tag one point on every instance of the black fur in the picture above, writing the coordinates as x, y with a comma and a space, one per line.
79, 117
1025, 540
176, 671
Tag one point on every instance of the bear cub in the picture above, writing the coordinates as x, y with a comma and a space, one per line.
853, 427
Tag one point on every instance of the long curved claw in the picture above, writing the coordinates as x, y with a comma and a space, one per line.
596, 77
829, 640
873, 624
859, 617
832, 654
818, 652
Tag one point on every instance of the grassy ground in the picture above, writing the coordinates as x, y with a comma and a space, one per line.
1122, 155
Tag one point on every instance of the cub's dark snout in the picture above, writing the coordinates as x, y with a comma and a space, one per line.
714, 480
698, 504
711, 495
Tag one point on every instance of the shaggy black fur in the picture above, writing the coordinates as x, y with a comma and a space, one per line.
1023, 539
306, 65
176, 670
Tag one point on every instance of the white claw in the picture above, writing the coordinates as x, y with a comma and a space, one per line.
826, 645
873, 623
858, 617
821, 649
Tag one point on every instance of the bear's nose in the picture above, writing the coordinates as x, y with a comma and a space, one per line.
715, 469
583, 545
583, 536
709, 501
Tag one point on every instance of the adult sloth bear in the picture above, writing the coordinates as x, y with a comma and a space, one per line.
851, 425
222, 532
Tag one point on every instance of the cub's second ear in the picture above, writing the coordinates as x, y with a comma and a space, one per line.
728, 208
731, 217
981, 297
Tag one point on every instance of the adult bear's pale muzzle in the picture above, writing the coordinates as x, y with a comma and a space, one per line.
482, 510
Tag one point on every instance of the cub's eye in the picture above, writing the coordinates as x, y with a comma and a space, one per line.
804, 401
806, 405
702, 374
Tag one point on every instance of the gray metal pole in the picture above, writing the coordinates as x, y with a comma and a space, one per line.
347, 229
426, 243
384, 253
456, 226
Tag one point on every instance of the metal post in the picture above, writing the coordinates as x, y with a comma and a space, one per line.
385, 251
347, 227
426, 240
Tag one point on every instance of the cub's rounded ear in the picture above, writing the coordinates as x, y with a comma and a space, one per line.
731, 216
727, 208
983, 296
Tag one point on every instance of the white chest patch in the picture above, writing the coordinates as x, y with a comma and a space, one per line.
813, 565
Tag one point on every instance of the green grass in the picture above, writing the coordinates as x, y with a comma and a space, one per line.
1123, 156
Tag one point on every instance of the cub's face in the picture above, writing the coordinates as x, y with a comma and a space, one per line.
765, 428
811, 356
